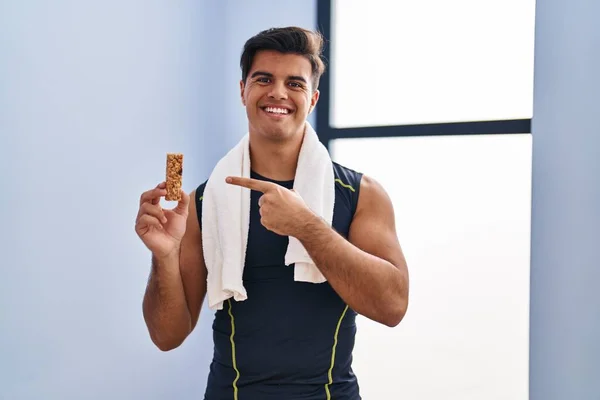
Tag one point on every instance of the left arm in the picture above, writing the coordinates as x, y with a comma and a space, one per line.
368, 271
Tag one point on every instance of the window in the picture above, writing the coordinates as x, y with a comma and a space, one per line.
430, 61
462, 206
434, 100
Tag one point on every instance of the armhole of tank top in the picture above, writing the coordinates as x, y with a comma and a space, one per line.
357, 180
199, 194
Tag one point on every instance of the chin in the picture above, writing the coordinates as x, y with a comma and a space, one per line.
279, 133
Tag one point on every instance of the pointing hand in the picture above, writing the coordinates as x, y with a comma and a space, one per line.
282, 210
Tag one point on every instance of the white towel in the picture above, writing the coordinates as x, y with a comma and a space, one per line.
226, 217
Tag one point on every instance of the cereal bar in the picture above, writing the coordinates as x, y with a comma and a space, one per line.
174, 176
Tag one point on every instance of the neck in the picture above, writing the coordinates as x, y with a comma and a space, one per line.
275, 160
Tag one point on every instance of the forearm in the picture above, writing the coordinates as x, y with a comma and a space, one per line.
165, 308
370, 285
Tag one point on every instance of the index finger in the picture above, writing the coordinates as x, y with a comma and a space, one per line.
254, 184
153, 195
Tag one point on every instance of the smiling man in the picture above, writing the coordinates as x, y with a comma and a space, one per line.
289, 339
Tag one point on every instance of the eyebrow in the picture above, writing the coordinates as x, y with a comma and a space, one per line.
270, 75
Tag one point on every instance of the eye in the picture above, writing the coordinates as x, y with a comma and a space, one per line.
263, 79
296, 85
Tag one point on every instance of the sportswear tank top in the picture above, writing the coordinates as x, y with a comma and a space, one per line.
288, 340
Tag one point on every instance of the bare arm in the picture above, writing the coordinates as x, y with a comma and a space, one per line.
176, 288
368, 270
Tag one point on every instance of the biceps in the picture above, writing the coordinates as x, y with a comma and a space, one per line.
377, 238
373, 229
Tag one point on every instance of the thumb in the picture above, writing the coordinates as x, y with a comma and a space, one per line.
183, 204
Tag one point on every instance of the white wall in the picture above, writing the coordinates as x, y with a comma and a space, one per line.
565, 260
92, 96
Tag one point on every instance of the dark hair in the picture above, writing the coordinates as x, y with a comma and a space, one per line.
286, 40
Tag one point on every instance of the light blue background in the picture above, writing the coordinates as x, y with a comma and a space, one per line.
565, 252
92, 95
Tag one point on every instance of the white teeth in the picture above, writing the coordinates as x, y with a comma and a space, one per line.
276, 110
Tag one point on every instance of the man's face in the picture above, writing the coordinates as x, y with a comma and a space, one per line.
278, 94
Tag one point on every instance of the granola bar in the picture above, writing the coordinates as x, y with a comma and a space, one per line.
174, 176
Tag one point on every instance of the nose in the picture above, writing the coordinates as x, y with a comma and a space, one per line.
278, 91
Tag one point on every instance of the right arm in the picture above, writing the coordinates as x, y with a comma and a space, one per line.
177, 283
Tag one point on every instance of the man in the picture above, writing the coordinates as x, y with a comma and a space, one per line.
288, 340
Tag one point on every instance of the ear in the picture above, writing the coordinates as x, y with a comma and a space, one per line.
242, 87
313, 101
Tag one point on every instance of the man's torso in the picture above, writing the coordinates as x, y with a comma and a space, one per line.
289, 340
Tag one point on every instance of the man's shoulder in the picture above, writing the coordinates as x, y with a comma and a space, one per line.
347, 178
372, 193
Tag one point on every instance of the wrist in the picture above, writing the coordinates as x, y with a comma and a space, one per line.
168, 258
311, 223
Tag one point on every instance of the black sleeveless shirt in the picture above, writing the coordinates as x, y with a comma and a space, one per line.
288, 340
